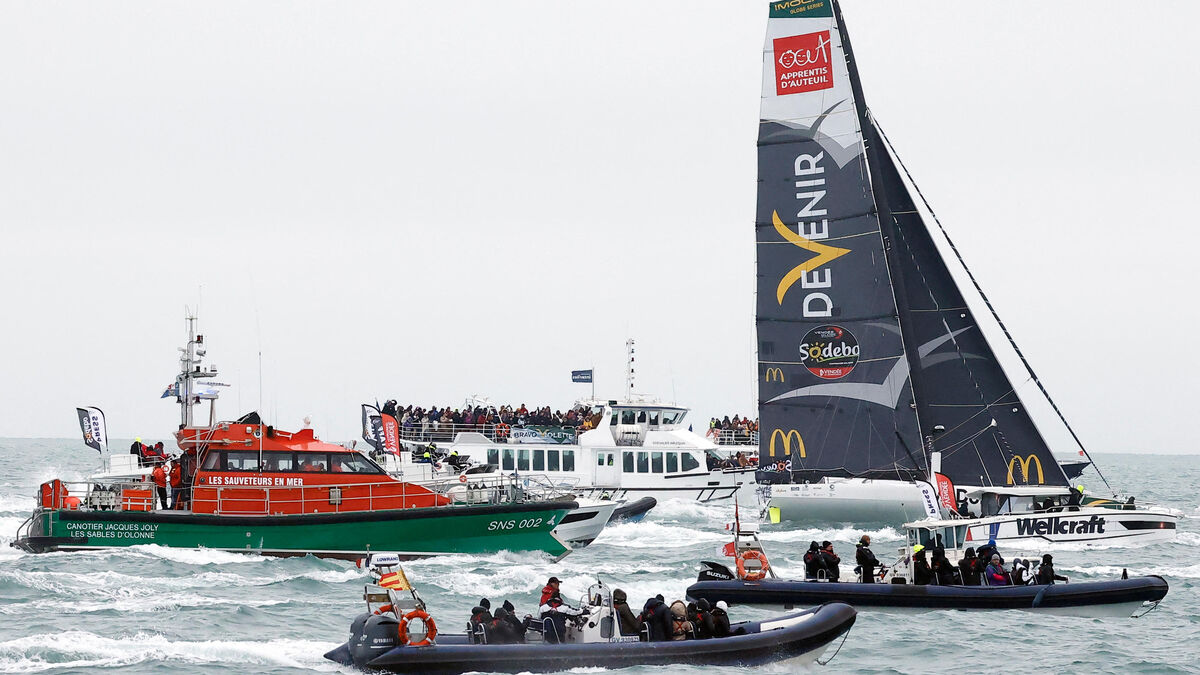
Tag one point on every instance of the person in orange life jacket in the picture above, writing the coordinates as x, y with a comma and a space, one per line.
175, 476
159, 475
554, 612
831, 560
995, 574
481, 617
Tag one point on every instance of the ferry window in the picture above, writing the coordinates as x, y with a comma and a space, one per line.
614, 419
689, 462
641, 416
539, 460
568, 460
523, 459
241, 461
494, 456
552, 460
628, 417
656, 464
599, 459
643, 462
654, 418
313, 461
508, 460
212, 461
278, 461
610, 459
672, 462
628, 463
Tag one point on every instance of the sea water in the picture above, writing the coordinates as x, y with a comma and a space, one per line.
155, 609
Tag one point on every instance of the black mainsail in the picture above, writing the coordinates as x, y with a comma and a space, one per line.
868, 356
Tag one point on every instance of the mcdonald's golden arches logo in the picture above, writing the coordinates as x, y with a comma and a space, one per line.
787, 442
1028, 459
774, 375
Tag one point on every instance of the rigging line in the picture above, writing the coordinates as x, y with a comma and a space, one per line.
992, 309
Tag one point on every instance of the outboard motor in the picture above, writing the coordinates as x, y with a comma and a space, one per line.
713, 571
371, 636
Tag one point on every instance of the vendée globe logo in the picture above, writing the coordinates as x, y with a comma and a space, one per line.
829, 352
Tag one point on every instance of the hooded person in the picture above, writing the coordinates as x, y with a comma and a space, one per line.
627, 621
658, 619
1045, 572
720, 616
516, 627
681, 627
994, 574
867, 562
945, 573
702, 619
968, 568
814, 563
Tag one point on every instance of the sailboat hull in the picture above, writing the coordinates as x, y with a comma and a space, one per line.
850, 500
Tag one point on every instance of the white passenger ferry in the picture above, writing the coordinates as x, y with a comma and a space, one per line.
638, 448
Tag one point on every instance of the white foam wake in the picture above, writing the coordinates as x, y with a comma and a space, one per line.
79, 649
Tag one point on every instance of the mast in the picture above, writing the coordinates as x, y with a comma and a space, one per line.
189, 372
886, 226
628, 371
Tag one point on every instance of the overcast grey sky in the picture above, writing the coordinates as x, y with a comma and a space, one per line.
430, 200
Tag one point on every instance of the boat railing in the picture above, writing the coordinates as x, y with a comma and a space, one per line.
497, 433
733, 437
262, 500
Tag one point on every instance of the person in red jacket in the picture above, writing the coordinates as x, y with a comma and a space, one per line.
159, 475
175, 476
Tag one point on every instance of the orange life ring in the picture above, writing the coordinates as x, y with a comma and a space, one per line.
753, 574
430, 628
462, 478
384, 608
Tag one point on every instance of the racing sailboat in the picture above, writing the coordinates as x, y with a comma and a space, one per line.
876, 380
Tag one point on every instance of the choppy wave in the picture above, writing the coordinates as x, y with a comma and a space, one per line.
1166, 572
80, 649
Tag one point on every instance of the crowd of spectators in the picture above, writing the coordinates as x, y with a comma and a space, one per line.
433, 422
732, 430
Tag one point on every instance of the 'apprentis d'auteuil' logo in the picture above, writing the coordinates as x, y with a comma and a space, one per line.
802, 63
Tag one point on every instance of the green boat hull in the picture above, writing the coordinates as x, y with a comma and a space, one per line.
414, 532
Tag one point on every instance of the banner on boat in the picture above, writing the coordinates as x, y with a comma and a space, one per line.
372, 427
945, 490
581, 375
91, 423
540, 434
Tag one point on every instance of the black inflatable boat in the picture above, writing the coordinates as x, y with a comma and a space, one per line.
632, 512
1119, 597
801, 636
